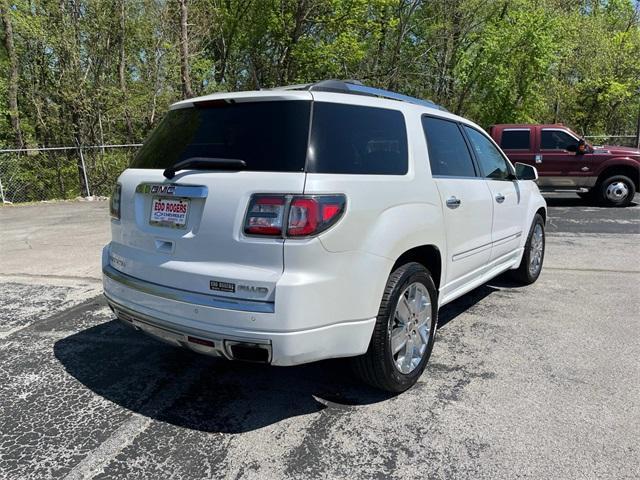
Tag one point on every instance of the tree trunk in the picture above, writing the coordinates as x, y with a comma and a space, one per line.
121, 71
184, 51
12, 90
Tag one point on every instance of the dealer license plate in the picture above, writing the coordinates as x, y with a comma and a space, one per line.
169, 212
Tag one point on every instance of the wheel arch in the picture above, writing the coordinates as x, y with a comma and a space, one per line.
427, 255
627, 169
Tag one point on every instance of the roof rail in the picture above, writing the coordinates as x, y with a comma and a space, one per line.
358, 88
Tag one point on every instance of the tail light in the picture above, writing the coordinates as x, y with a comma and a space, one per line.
114, 202
293, 215
265, 215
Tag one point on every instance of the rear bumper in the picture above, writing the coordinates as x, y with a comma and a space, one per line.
204, 323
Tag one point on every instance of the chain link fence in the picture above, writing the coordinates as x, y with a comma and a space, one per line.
620, 140
36, 174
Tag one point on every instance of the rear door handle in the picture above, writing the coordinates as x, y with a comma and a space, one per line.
500, 198
453, 202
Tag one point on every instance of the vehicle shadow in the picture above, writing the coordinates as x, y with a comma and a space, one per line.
580, 202
202, 393
194, 391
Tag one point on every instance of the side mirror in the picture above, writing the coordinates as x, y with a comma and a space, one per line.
526, 172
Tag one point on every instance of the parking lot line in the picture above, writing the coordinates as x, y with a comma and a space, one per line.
125, 435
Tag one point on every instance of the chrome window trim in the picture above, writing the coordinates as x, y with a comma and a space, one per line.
194, 298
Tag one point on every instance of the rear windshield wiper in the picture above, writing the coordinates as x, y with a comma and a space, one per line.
205, 163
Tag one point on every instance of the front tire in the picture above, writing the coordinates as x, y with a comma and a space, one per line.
531, 264
404, 333
616, 191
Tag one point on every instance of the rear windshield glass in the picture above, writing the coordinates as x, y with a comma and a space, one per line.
273, 136
268, 136
355, 139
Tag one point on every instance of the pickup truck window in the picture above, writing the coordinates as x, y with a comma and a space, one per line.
448, 152
516, 139
556, 140
491, 161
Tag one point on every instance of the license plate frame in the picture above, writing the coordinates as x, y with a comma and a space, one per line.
167, 222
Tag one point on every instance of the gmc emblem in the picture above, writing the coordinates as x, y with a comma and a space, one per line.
163, 189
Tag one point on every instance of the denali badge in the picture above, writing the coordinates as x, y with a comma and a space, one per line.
252, 289
222, 286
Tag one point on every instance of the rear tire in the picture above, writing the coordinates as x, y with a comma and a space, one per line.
408, 313
616, 191
588, 196
531, 264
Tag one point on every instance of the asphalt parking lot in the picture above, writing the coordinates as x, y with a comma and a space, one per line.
534, 382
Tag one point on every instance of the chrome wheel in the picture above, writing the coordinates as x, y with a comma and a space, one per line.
411, 325
536, 250
617, 191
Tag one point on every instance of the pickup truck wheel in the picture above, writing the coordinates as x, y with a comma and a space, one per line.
405, 329
531, 264
617, 191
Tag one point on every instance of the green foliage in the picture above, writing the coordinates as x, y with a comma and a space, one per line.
93, 72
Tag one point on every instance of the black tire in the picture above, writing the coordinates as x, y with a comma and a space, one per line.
523, 274
611, 190
377, 366
588, 196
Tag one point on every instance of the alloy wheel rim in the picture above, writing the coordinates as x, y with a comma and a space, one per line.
537, 249
617, 191
411, 325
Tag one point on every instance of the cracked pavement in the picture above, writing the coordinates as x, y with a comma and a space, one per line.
533, 382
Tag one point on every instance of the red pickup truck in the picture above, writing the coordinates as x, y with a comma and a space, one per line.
566, 162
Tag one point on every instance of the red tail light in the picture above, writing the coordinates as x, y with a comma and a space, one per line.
305, 214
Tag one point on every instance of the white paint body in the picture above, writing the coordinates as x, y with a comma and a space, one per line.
325, 291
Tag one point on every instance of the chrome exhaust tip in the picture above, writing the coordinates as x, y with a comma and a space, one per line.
248, 352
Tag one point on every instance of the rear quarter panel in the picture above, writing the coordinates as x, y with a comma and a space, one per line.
385, 216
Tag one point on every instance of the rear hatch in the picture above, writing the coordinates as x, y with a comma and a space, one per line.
187, 232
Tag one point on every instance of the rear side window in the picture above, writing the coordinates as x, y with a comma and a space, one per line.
448, 152
268, 136
354, 139
516, 140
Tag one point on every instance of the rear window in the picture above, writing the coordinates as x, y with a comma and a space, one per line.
268, 136
355, 139
515, 140
273, 136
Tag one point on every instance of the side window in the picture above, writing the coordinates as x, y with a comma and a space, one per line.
448, 152
555, 140
516, 140
357, 140
491, 161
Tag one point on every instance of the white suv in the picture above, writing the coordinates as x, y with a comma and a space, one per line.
315, 221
